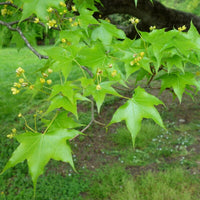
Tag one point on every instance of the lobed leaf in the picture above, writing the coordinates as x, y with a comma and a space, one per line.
140, 106
38, 149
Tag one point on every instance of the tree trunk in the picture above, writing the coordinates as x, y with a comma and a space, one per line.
150, 14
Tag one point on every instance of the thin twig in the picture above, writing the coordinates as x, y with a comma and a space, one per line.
92, 117
40, 56
18, 21
92, 120
87, 70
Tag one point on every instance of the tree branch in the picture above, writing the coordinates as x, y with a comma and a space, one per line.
40, 56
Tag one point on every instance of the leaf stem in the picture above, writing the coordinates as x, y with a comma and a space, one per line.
26, 124
80, 67
35, 120
51, 122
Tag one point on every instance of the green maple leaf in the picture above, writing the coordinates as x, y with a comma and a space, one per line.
66, 90
62, 121
99, 95
140, 106
63, 59
38, 7
178, 82
61, 101
39, 148
105, 32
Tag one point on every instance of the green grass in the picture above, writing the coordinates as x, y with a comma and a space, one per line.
172, 184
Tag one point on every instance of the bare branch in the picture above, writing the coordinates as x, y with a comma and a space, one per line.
16, 22
40, 56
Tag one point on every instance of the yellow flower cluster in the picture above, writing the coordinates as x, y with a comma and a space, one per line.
5, 11
62, 4
10, 136
21, 82
14, 90
182, 28
134, 20
45, 75
137, 58
52, 23
19, 71
151, 28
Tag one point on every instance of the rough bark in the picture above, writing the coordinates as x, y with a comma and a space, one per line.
150, 14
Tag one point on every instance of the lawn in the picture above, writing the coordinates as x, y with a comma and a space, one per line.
163, 165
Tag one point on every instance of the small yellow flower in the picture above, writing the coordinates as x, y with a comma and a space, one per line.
182, 28
65, 11
36, 21
110, 65
132, 63
74, 8
42, 80
24, 84
70, 19
2, 193
151, 28
44, 75
51, 23
75, 23
19, 71
21, 80
50, 71
18, 85
141, 54
107, 19
14, 130
62, 4
31, 87
114, 73
50, 9
49, 82
10, 136
63, 40
98, 87
134, 20
14, 90
20, 115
